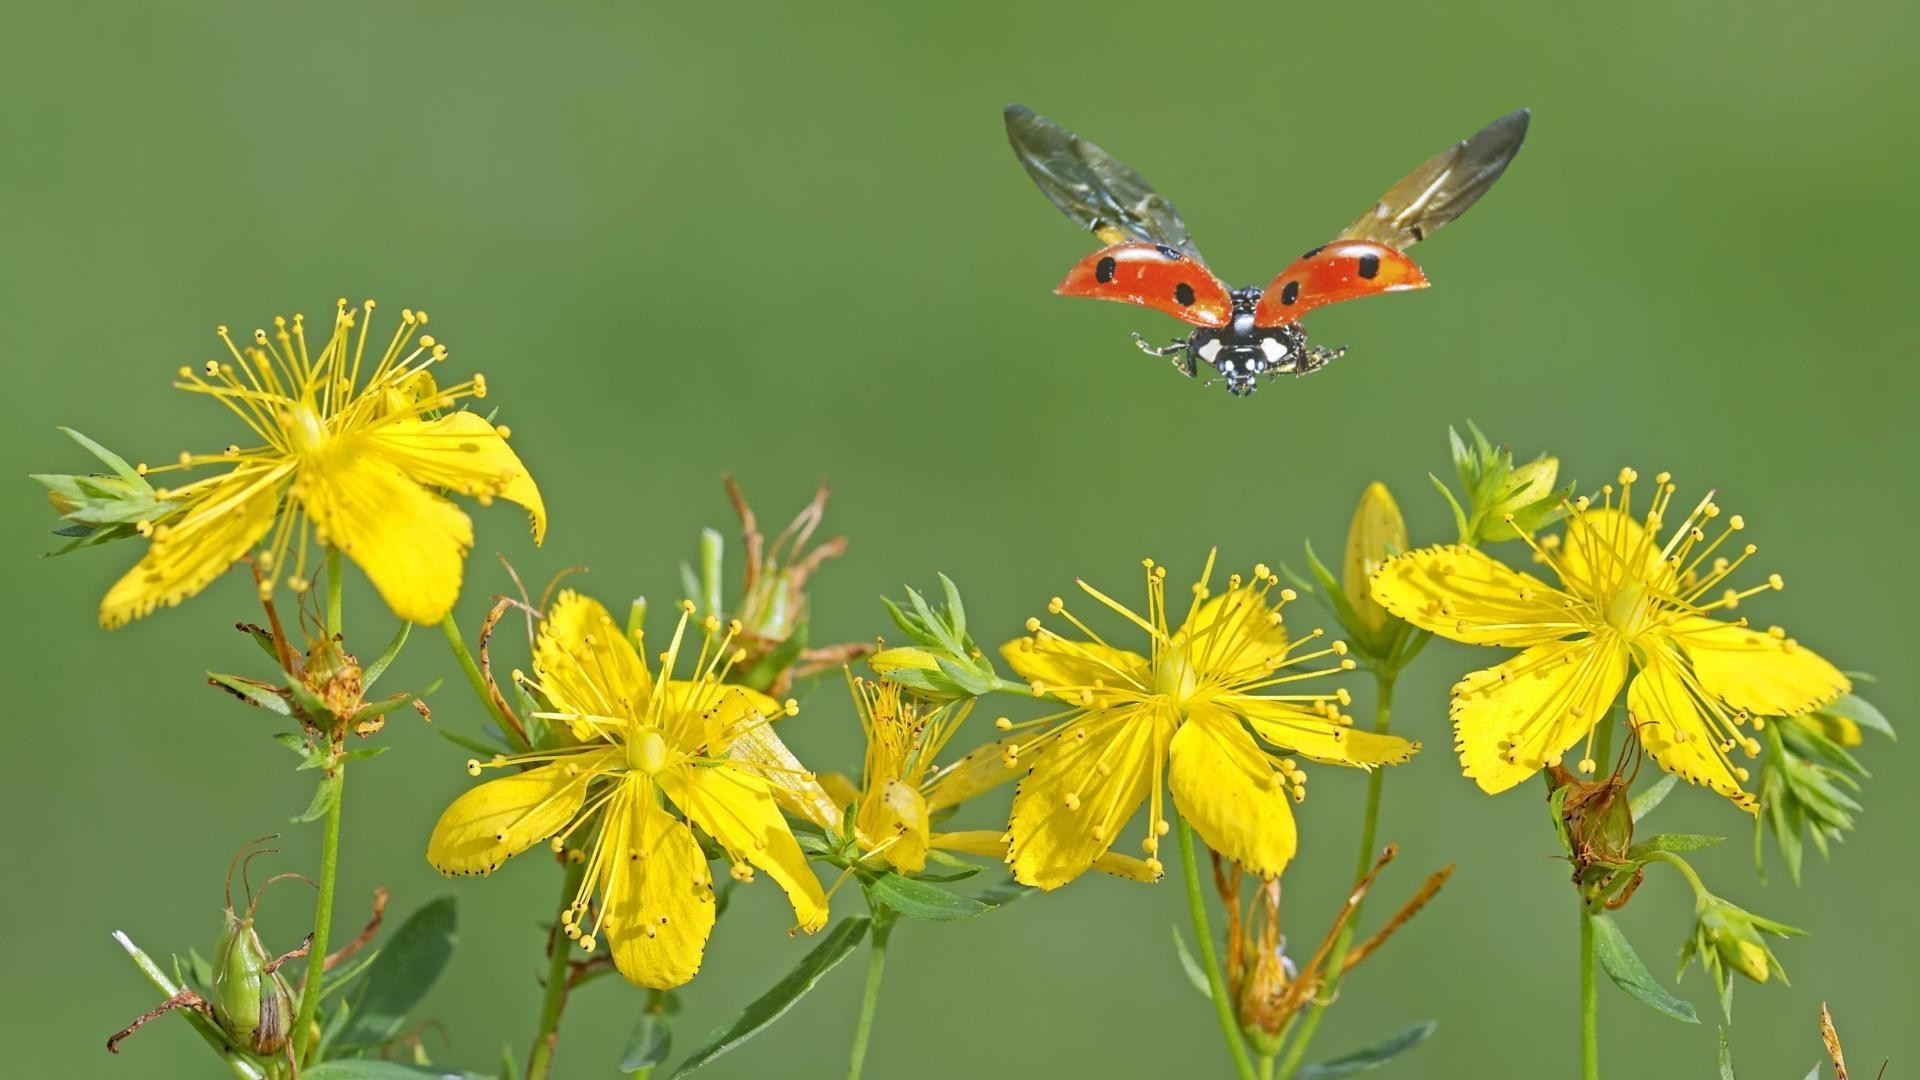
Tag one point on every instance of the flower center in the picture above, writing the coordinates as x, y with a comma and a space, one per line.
1627, 612
646, 750
306, 431
1174, 676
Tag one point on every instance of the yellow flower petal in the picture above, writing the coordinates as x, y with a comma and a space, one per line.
981, 770
1055, 663
223, 519
1312, 735
1084, 785
411, 542
797, 791
1763, 674
494, 821
893, 821
659, 898
1674, 728
1228, 790
463, 452
1466, 595
737, 810
586, 662
1509, 720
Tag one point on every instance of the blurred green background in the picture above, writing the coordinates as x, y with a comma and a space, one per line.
789, 241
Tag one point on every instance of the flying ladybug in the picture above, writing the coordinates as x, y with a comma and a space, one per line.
1247, 333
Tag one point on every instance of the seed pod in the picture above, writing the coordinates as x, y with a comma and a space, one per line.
251, 1002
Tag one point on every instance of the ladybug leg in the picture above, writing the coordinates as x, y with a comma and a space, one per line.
1318, 357
1177, 351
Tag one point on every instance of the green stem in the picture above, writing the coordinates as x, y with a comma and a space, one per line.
322, 914
870, 998
1216, 985
1699, 887
1589, 1000
1266, 1067
458, 643
554, 1002
333, 591
1369, 830
1589, 1004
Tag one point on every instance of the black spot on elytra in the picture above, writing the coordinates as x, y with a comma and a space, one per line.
1289, 293
1311, 252
1167, 253
1369, 266
1183, 292
1103, 270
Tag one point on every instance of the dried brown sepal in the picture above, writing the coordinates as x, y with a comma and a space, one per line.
499, 700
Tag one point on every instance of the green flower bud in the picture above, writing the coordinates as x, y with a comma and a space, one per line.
1528, 496
1503, 501
1377, 533
943, 663
1728, 938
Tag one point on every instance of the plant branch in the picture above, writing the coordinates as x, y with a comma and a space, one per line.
1216, 984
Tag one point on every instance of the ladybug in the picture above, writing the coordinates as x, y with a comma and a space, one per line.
1244, 334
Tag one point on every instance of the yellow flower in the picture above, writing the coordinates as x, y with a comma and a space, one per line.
1627, 600
1189, 710
350, 465
638, 738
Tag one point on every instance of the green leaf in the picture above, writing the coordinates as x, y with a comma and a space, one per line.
713, 553
409, 963
650, 1043
325, 794
1373, 1056
384, 1070
1004, 893
1623, 966
1188, 964
1726, 1058
918, 899
1674, 842
372, 672
1861, 712
252, 692
468, 742
1459, 515
839, 942
1644, 803
112, 460
337, 981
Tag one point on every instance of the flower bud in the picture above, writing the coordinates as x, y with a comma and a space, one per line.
1728, 938
1527, 494
1377, 533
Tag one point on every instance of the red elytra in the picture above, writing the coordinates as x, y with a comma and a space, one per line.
1342, 270
1155, 276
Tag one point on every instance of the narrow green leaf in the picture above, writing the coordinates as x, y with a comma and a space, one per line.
251, 692
839, 942
112, 460
1861, 712
917, 899
468, 742
361, 1069
1373, 1056
649, 1045
372, 672
1004, 893
1459, 515
1644, 803
713, 552
337, 981
1188, 964
1623, 966
409, 963
1815, 1074
1726, 1058
956, 612
1674, 842
509, 1066
325, 794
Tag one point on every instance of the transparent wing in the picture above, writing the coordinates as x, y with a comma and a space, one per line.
1442, 187
1099, 193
